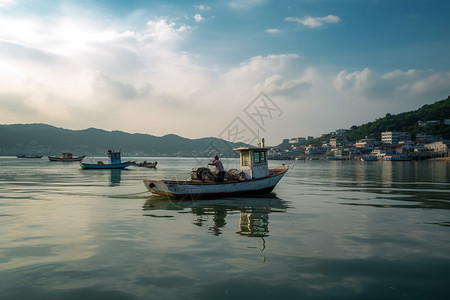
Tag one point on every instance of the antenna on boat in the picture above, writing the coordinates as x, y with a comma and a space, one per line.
258, 140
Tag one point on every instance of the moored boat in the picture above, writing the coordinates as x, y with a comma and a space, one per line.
115, 162
369, 158
66, 156
146, 164
254, 178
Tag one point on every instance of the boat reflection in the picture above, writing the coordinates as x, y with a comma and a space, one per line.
253, 212
115, 177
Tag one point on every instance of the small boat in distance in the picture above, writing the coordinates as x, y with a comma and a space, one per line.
254, 178
146, 164
66, 156
29, 156
369, 158
115, 162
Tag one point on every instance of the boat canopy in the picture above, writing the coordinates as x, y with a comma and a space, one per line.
253, 161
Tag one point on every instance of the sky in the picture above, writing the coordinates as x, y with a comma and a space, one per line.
237, 70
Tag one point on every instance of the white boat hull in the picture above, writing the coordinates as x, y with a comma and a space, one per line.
197, 189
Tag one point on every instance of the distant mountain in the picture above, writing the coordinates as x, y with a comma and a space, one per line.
407, 121
49, 140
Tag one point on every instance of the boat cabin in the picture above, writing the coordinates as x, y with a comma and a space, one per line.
114, 157
253, 162
67, 155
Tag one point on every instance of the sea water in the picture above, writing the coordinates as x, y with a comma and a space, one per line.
329, 230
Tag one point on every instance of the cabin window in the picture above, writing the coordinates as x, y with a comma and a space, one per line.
245, 159
256, 156
259, 157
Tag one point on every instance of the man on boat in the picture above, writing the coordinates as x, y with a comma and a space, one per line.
220, 172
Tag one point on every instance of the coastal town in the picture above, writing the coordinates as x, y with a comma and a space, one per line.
392, 146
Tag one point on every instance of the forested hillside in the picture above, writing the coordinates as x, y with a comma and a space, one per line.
49, 140
407, 121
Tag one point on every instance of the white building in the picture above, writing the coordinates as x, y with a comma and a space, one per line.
392, 137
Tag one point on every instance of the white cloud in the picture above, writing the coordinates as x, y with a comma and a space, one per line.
7, 3
202, 7
315, 22
163, 31
273, 30
279, 75
198, 18
411, 86
355, 81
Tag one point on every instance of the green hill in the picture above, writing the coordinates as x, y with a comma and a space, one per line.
407, 121
49, 140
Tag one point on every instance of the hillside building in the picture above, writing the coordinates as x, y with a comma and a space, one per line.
393, 137
441, 147
337, 141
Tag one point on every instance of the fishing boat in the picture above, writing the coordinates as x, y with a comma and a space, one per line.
29, 156
253, 178
115, 162
369, 158
146, 164
66, 156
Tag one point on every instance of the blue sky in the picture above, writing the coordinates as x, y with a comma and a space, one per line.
193, 68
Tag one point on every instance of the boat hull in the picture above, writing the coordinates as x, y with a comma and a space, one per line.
107, 166
147, 165
194, 189
57, 158
369, 158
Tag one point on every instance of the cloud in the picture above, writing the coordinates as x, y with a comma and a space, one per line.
109, 88
356, 81
198, 18
16, 104
315, 22
7, 3
164, 31
273, 30
202, 7
395, 86
279, 75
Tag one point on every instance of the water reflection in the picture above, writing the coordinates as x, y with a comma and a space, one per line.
115, 177
212, 214
386, 171
255, 223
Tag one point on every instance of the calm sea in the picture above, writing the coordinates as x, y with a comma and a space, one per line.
330, 230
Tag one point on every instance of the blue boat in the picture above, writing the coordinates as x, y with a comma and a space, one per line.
115, 162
